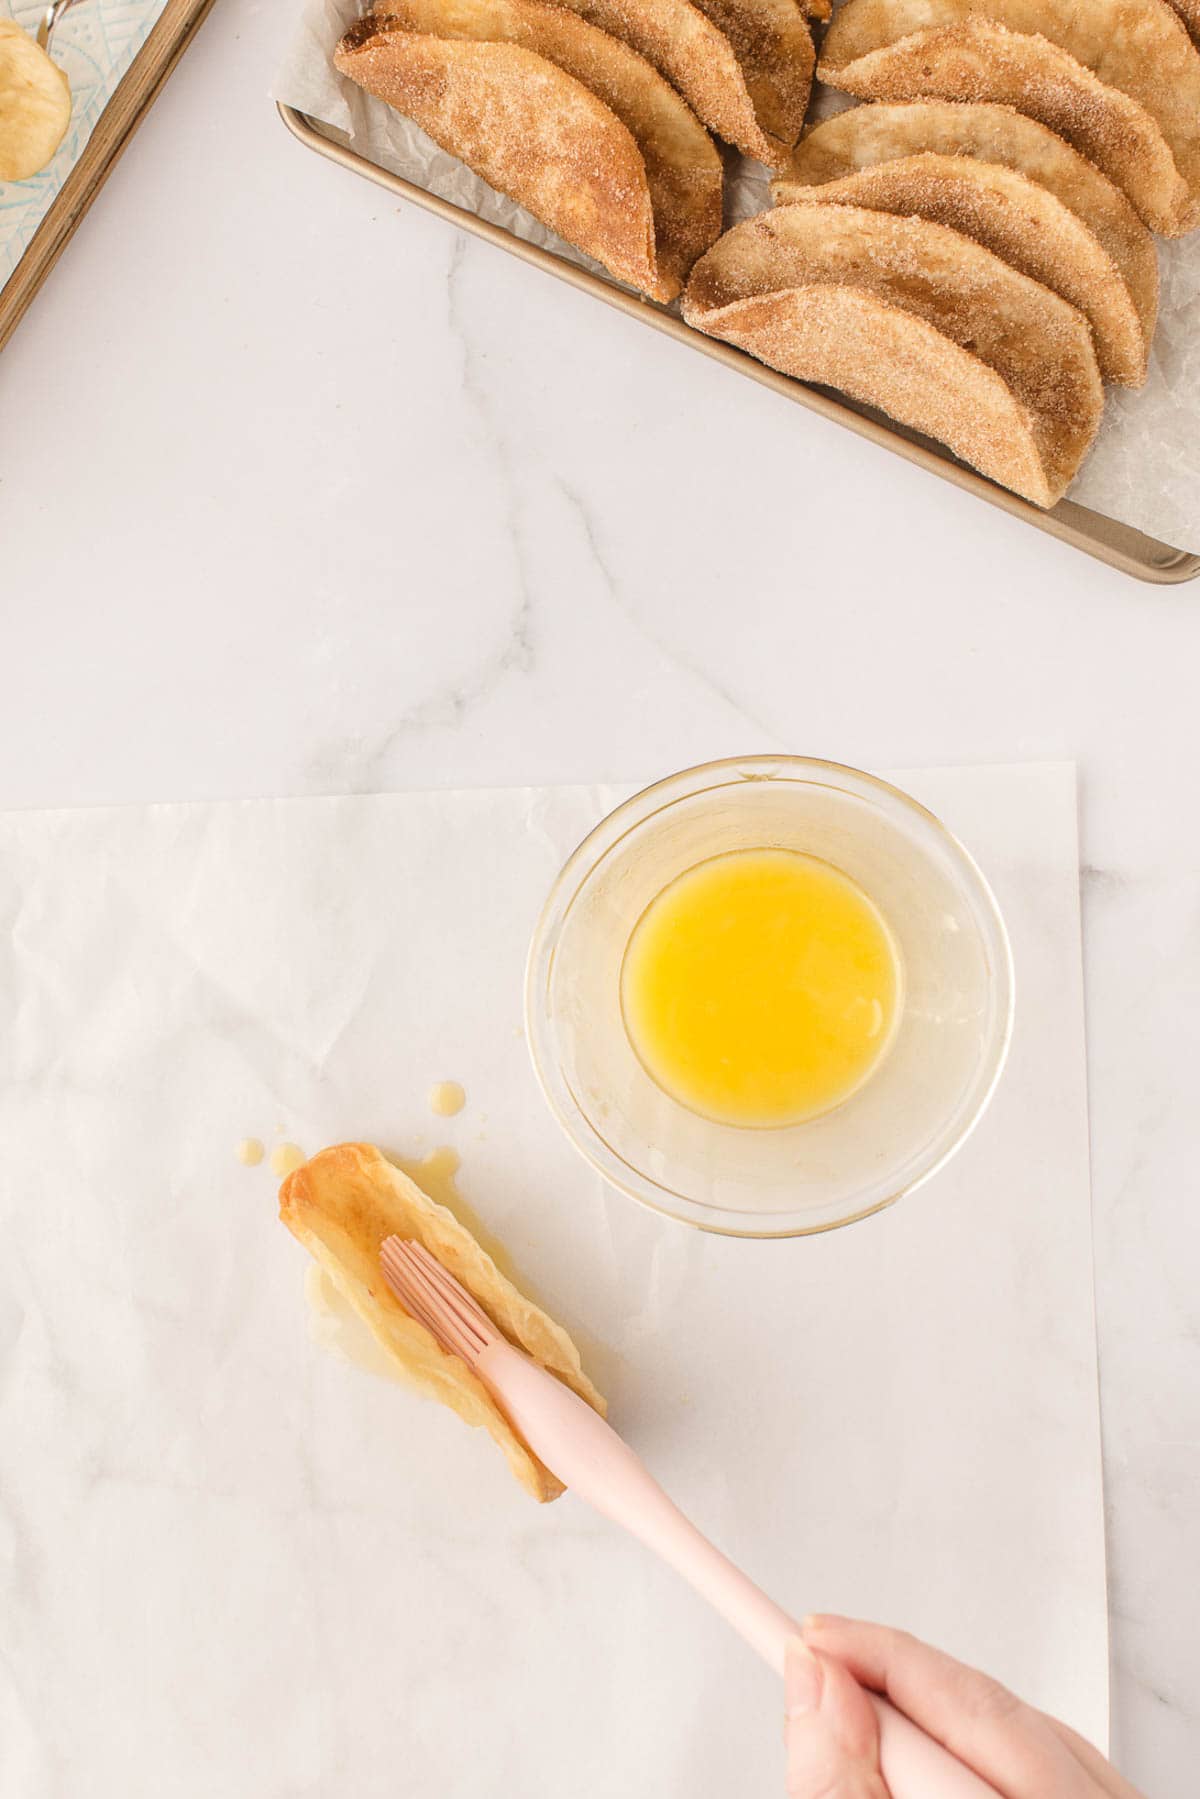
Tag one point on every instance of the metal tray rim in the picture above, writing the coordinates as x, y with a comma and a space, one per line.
1120, 546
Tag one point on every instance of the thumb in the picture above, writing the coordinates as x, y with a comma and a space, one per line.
831, 1732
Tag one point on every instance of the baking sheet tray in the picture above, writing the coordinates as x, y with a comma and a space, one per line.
130, 102
1121, 546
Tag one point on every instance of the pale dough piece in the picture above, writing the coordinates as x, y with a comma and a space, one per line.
35, 104
341, 1205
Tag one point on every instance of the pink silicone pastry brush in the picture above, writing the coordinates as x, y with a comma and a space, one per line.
587, 1455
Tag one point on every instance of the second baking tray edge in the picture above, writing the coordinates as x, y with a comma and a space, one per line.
1120, 546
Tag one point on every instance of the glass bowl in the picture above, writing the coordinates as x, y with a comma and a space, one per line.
922, 1100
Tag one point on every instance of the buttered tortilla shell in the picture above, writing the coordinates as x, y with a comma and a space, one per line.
340, 1206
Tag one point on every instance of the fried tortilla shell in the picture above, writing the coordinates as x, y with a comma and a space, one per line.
566, 120
919, 321
984, 62
683, 166
866, 135
772, 43
529, 131
693, 53
1137, 47
1016, 219
340, 1206
1189, 12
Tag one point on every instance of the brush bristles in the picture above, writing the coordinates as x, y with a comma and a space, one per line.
435, 1299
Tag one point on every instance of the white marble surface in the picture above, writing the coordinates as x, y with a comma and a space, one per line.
302, 493
228, 1527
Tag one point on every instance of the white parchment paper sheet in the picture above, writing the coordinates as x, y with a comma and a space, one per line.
232, 1564
1145, 467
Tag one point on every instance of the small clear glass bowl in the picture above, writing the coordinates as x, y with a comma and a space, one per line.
897, 1129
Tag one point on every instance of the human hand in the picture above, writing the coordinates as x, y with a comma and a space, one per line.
833, 1736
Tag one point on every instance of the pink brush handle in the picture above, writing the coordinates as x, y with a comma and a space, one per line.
588, 1456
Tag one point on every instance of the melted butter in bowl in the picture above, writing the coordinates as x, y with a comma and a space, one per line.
768, 996
760, 988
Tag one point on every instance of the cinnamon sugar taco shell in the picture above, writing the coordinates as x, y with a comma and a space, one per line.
774, 47
1015, 218
866, 135
984, 62
1189, 12
564, 119
919, 321
1066, 63
723, 58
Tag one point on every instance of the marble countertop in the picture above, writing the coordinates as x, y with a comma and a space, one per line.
301, 492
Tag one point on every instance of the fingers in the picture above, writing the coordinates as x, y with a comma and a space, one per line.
831, 1734
1006, 1742
1103, 1773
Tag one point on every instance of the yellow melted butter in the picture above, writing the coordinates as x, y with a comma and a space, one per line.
446, 1098
760, 988
285, 1159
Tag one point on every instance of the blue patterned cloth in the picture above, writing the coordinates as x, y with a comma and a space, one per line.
93, 44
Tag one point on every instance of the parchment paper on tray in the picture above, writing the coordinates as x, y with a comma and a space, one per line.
1145, 467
